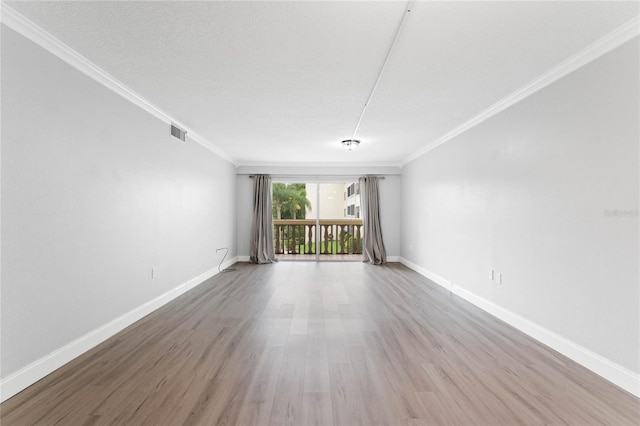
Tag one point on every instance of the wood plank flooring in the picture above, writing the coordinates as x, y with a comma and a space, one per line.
321, 344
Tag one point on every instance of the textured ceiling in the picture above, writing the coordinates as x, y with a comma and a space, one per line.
284, 82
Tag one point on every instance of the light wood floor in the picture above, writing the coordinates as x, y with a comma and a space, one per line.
328, 344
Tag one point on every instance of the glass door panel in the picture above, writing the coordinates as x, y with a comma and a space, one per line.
317, 221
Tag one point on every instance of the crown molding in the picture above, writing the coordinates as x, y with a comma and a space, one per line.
42, 38
36, 34
604, 45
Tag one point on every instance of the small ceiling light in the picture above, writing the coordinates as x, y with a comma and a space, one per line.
350, 144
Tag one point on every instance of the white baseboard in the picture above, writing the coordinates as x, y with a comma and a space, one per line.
430, 275
244, 258
616, 374
28, 375
393, 259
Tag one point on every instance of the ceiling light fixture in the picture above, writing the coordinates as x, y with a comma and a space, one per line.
350, 144
353, 143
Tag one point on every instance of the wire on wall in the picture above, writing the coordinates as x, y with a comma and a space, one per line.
222, 261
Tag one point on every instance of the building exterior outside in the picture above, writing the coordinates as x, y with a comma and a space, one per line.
337, 200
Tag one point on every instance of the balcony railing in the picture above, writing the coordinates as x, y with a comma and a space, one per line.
336, 236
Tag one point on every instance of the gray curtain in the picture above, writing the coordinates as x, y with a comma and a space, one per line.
372, 247
262, 227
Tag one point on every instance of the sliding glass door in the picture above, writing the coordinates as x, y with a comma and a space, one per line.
317, 221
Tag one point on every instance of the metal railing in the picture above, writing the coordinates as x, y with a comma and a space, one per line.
336, 236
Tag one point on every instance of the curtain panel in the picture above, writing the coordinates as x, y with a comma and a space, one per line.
373, 250
261, 249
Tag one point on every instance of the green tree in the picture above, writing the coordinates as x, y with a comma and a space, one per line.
298, 201
290, 201
280, 196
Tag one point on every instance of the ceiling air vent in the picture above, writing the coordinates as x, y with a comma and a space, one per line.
178, 133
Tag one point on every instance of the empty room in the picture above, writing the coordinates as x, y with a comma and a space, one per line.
320, 213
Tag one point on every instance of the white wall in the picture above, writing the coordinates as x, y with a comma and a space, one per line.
95, 192
389, 209
244, 209
527, 193
390, 205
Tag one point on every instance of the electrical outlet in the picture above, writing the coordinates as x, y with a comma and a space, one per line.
499, 277
493, 275
154, 273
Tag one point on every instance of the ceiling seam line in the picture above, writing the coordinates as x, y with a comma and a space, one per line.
407, 10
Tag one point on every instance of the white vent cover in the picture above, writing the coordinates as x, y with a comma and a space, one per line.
178, 133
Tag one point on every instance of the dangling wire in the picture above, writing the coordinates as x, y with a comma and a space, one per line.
222, 261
